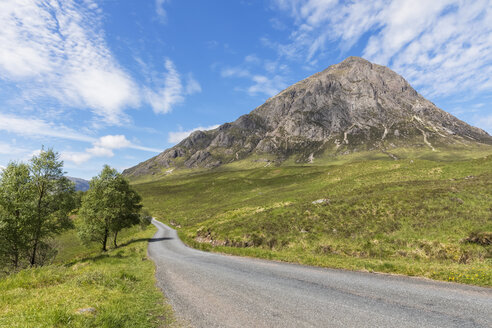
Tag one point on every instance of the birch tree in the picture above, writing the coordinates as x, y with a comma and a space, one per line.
109, 206
53, 199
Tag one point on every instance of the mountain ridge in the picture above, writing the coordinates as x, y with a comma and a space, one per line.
349, 107
80, 184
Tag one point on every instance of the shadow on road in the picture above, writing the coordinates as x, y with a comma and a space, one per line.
153, 240
131, 241
150, 240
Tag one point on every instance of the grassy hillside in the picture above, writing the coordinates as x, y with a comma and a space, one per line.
119, 285
405, 216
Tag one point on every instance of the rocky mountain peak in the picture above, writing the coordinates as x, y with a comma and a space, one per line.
349, 107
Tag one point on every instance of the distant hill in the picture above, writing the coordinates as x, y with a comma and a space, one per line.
80, 184
350, 107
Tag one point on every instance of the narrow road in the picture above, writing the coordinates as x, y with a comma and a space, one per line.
213, 290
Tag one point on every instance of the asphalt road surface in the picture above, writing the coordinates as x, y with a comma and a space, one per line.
213, 290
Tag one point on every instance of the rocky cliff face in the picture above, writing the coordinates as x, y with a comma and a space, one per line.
351, 106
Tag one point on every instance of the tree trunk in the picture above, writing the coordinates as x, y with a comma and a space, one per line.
38, 227
36, 242
15, 240
114, 240
33, 255
16, 258
105, 240
15, 248
15, 251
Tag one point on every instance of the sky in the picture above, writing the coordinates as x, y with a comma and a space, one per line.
117, 82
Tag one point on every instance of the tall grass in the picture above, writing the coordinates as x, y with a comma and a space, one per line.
406, 216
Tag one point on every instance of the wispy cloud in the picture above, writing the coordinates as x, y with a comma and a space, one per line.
7, 149
159, 9
57, 50
192, 85
103, 147
171, 92
269, 84
235, 72
441, 46
120, 141
483, 121
177, 136
38, 127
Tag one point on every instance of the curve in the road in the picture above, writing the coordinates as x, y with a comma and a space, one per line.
213, 290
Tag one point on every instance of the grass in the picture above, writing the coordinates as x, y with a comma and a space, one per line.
119, 285
70, 247
410, 216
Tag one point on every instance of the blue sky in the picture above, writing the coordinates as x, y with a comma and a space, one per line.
117, 82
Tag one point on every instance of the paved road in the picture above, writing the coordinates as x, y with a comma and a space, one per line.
213, 290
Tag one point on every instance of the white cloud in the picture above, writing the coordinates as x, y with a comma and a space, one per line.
159, 8
37, 127
118, 142
113, 142
266, 85
75, 157
36, 152
484, 122
277, 24
98, 151
235, 72
7, 149
177, 136
441, 46
103, 147
192, 85
261, 84
106, 91
57, 50
252, 59
171, 93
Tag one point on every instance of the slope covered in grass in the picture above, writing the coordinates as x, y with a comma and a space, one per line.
117, 287
405, 216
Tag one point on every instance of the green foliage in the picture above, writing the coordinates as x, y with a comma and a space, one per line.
53, 199
15, 214
35, 200
145, 219
417, 217
108, 206
77, 199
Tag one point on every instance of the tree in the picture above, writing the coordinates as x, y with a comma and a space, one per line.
108, 206
35, 200
52, 197
15, 213
145, 219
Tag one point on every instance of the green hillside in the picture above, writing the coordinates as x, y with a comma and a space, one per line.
424, 217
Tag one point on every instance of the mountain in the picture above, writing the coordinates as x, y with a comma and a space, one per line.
350, 107
80, 184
